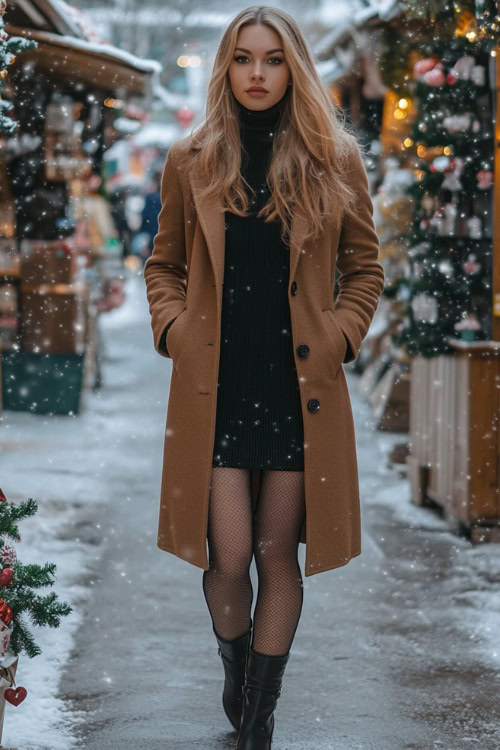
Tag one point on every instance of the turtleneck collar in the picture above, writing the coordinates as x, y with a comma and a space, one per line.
260, 125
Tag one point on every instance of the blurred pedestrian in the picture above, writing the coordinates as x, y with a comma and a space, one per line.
149, 216
118, 199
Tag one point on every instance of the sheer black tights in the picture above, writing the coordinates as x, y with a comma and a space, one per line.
235, 534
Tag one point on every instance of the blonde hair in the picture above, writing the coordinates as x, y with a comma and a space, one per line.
311, 145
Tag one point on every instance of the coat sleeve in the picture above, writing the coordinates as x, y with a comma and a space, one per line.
165, 271
361, 275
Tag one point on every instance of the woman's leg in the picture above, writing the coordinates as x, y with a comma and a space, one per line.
226, 584
279, 517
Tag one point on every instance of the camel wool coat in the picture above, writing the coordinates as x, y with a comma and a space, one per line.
184, 278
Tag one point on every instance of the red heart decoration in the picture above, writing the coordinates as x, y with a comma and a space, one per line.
6, 576
15, 696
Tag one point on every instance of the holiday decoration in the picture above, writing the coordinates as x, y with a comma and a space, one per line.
7, 556
17, 591
15, 696
450, 141
9, 48
468, 327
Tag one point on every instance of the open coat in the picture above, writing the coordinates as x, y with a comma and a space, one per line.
184, 278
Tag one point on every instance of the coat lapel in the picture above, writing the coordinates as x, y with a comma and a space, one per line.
210, 211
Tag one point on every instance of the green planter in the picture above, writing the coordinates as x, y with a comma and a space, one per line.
42, 383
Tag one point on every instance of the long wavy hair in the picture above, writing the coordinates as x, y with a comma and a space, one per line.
311, 144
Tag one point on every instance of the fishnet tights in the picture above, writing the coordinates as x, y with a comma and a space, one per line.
272, 534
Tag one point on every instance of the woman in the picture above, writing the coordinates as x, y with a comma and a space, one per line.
240, 287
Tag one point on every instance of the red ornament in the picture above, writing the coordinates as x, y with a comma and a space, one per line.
3, 499
451, 79
5, 612
15, 696
6, 576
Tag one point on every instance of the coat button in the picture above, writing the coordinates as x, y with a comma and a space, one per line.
313, 404
303, 350
294, 288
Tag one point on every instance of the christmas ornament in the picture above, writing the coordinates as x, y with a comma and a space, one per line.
450, 218
470, 266
436, 222
425, 308
6, 576
8, 556
474, 227
485, 179
452, 179
446, 268
458, 123
5, 634
468, 327
5, 612
442, 164
424, 66
15, 696
478, 75
463, 67
435, 77
427, 203
3, 499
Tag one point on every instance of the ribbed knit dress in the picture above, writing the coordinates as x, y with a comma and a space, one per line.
259, 418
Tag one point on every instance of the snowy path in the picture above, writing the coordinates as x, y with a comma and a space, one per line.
398, 650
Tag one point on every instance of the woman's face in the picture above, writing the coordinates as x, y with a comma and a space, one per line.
258, 60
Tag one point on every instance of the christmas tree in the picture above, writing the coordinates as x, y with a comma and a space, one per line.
18, 583
451, 151
9, 48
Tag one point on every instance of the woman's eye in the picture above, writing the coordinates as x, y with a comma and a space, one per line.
244, 57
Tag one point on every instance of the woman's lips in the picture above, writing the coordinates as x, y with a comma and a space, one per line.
256, 93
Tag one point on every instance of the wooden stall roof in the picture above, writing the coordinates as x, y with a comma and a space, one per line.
71, 47
101, 65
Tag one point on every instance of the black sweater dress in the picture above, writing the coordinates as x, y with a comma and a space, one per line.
259, 418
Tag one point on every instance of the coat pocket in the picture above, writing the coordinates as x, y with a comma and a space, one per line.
337, 338
173, 341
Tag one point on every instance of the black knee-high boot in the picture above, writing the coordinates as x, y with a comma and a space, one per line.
234, 659
260, 695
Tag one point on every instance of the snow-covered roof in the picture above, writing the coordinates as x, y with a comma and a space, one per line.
74, 30
339, 49
102, 49
350, 20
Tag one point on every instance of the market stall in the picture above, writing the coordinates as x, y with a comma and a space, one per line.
437, 208
59, 252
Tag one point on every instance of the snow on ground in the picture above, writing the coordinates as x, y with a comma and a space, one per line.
474, 572
63, 462
70, 464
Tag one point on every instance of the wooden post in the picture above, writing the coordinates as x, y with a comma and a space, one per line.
495, 321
